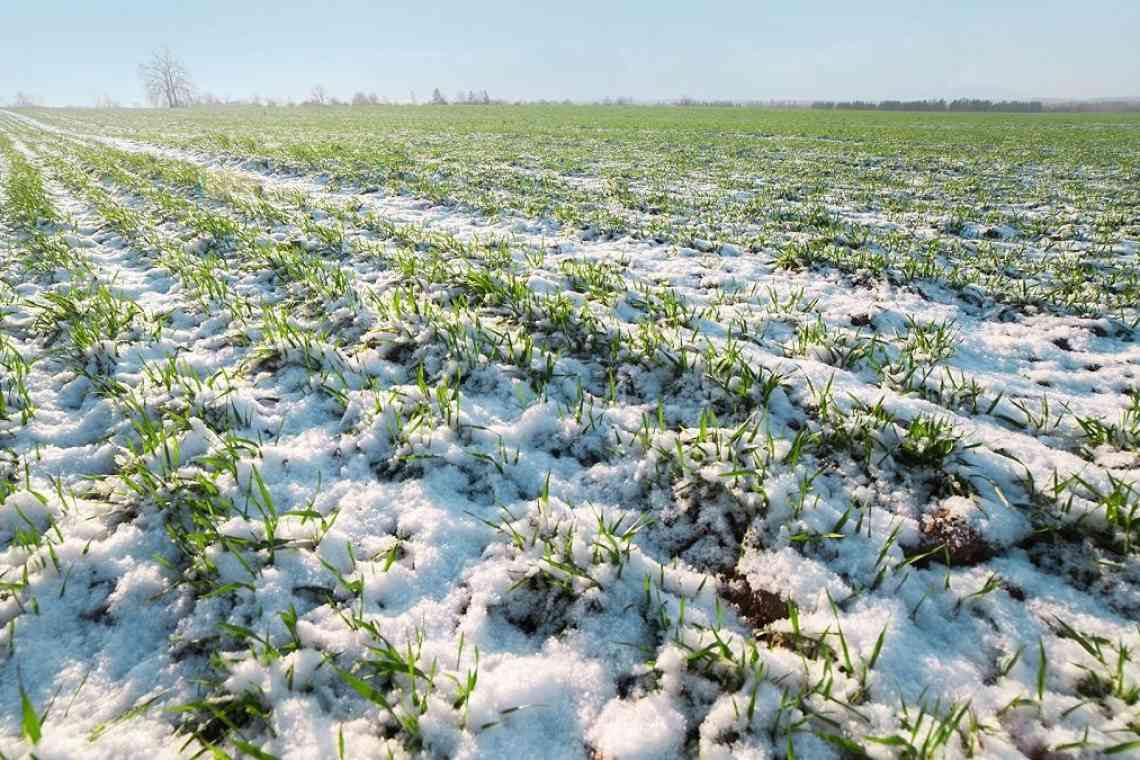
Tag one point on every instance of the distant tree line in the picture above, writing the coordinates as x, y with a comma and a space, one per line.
973, 105
1114, 105
469, 98
686, 102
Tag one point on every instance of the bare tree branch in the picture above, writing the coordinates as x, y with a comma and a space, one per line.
166, 80
318, 96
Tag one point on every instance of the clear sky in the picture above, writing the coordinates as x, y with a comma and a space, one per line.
71, 51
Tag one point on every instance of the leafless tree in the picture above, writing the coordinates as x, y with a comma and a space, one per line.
106, 101
318, 96
24, 100
166, 80
365, 99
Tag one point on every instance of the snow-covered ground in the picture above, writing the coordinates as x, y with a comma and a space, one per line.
305, 472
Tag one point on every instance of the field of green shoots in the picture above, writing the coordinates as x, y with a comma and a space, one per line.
569, 432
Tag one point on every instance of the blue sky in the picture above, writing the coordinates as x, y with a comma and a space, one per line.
66, 51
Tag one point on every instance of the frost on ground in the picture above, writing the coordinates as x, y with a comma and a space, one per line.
788, 441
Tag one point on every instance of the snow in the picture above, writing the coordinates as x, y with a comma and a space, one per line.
647, 728
494, 543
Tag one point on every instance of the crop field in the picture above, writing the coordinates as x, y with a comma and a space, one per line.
569, 432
